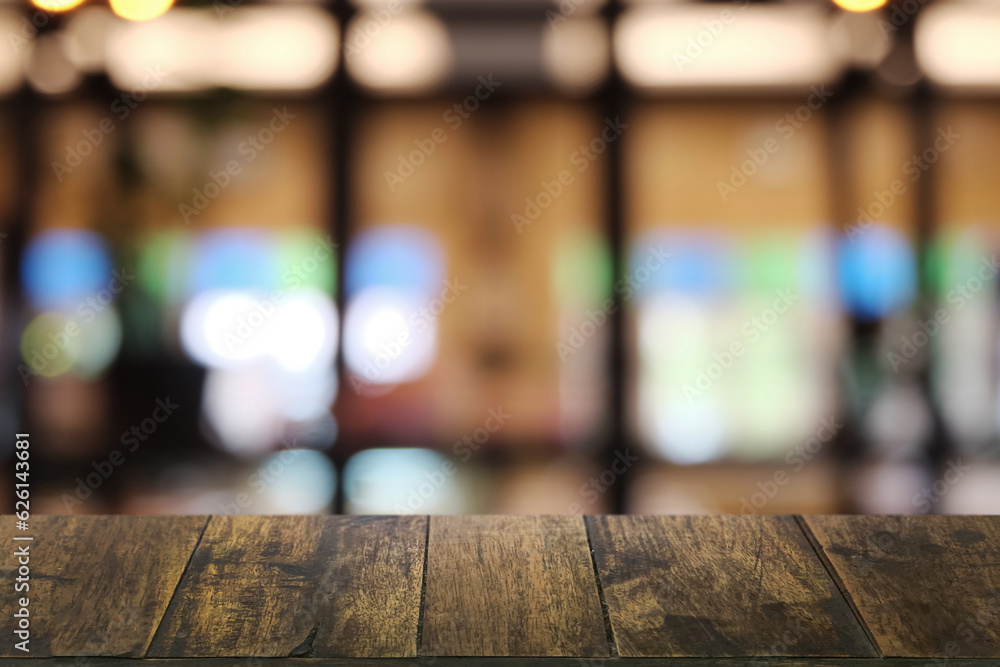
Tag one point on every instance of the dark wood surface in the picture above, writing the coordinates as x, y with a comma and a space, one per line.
510, 591
438, 661
925, 586
518, 586
97, 585
702, 586
299, 586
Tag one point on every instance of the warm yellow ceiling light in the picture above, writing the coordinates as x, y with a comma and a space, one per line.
140, 10
859, 5
56, 5
761, 46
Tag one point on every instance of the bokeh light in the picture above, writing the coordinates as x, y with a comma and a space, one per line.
877, 272
227, 328
699, 264
258, 47
140, 10
408, 54
401, 481
297, 481
242, 409
48, 347
234, 259
56, 5
62, 268
400, 256
394, 276
859, 5
387, 340
54, 343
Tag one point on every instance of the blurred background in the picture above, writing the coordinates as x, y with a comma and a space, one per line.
501, 256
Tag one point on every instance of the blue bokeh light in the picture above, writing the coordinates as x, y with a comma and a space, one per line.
240, 259
396, 256
699, 265
62, 268
876, 273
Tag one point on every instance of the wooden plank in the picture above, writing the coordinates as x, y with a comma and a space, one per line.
705, 586
511, 586
98, 586
927, 586
436, 661
299, 586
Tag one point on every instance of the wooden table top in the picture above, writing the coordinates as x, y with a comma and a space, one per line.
570, 590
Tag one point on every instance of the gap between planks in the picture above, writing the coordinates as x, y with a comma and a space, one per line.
423, 586
831, 572
608, 630
177, 587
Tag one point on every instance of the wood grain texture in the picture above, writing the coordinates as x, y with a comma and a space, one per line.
719, 586
299, 586
435, 661
511, 586
98, 585
927, 586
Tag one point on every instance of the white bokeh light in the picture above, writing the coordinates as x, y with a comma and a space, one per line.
297, 481
240, 406
387, 337
228, 328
